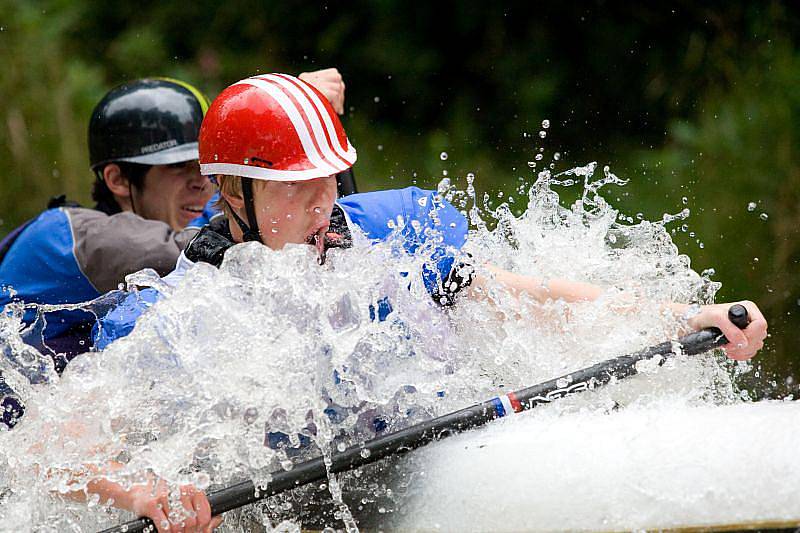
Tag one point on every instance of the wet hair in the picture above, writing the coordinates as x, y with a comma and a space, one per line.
133, 172
232, 186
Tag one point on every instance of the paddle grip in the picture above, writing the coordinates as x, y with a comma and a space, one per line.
738, 315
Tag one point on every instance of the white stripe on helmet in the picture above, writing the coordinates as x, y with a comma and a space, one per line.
261, 173
308, 108
292, 111
349, 155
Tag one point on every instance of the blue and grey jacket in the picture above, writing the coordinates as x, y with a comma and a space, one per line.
371, 212
69, 255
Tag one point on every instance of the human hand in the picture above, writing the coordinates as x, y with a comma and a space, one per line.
329, 82
742, 343
192, 515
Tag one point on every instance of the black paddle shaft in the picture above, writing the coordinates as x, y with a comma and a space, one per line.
419, 435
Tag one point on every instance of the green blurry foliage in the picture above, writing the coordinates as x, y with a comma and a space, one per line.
687, 99
737, 160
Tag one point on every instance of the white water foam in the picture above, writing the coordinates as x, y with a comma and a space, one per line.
647, 467
270, 341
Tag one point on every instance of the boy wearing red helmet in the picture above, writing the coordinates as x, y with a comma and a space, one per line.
274, 144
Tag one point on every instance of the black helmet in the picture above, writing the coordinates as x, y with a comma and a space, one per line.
152, 121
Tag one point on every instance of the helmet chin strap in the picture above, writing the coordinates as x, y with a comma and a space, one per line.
250, 231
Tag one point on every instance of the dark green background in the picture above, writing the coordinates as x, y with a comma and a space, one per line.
690, 99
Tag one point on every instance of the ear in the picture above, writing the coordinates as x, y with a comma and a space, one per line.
115, 181
236, 201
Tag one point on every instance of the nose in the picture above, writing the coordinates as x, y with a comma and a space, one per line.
324, 195
196, 181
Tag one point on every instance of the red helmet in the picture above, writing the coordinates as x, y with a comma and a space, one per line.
273, 127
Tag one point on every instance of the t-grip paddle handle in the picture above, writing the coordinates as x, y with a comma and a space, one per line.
738, 315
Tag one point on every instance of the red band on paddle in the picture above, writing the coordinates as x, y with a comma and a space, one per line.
514, 402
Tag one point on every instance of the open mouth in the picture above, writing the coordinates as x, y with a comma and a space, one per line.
317, 239
192, 210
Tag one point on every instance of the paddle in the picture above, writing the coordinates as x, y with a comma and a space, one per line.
440, 427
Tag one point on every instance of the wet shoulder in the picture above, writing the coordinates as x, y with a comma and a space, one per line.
50, 232
412, 209
41, 266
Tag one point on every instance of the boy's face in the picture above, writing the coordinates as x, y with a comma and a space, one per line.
291, 212
175, 194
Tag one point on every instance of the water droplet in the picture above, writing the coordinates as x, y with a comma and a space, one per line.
545, 123
531, 164
443, 156
538, 157
317, 210
763, 216
246, 161
557, 156
376, 99
341, 446
684, 200
751, 206
380, 148
542, 134
287, 464
365, 453
274, 230
201, 480
423, 201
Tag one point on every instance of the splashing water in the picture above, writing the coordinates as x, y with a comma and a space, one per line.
273, 346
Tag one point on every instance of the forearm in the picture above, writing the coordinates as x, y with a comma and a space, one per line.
538, 289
